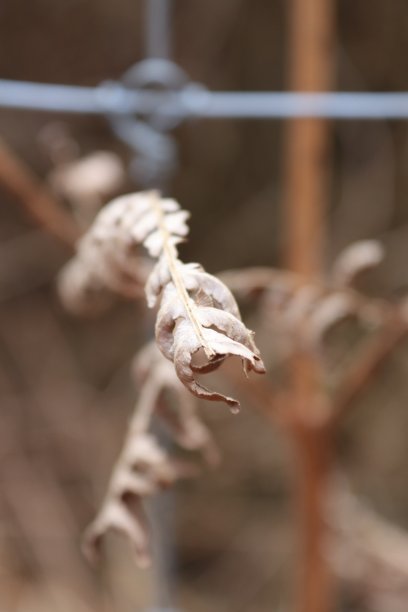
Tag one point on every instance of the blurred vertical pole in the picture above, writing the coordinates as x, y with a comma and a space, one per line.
158, 29
162, 507
310, 69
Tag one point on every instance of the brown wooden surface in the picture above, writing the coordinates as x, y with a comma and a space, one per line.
310, 68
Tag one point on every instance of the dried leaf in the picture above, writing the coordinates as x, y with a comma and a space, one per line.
197, 312
81, 292
330, 310
182, 421
221, 331
107, 260
354, 259
98, 175
142, 469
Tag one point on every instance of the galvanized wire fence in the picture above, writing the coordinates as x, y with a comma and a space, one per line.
156, 95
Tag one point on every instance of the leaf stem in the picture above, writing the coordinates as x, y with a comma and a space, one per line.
171, 256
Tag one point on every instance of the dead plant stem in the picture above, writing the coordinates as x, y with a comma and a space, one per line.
171, 258
38, 201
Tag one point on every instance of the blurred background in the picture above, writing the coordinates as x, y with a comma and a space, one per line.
65, 389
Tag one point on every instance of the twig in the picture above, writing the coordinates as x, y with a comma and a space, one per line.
36, 199
171, 257
375, 354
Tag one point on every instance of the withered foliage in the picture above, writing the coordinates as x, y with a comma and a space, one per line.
86, 182
198, 326
144, 467
301, 312
355, 259
107, 262
197, 312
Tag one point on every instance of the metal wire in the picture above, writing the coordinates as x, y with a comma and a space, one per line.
260, 105
158, 31
194, 101
109, 97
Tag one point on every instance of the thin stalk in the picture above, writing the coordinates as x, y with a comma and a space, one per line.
38, 201
144, 408
171, 257
372, 358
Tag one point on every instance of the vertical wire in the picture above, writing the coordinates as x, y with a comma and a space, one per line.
161, 509
157, 29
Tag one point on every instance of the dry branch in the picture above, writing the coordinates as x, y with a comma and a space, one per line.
36, 199
380, 347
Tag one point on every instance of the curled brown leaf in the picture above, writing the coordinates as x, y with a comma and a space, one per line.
143, 469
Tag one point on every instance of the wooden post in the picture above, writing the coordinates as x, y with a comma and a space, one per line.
305, 190
310, 69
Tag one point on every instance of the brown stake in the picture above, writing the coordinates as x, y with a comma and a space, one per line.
307, 140
310, 58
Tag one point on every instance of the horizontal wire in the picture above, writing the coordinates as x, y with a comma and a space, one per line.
283, 105
64, 98
195, 101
